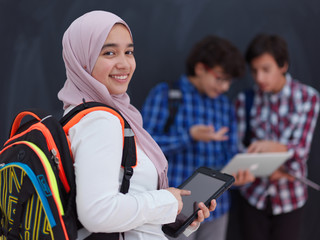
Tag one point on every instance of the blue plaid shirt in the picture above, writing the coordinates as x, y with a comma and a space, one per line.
184, 154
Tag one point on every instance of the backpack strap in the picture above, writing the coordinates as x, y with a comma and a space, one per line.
129, 153
1, 219
249, 96
36, 114
174, 100
34, 118
103, 236
129, 158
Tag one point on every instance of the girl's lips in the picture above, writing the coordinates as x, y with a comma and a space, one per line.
120, 77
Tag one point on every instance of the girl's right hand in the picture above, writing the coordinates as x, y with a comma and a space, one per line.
177, 193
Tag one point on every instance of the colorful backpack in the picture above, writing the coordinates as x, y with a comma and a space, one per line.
37, 182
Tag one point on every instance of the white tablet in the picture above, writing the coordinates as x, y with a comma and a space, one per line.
260, 164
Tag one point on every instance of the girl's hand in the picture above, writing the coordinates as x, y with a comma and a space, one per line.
177, 193
204, 212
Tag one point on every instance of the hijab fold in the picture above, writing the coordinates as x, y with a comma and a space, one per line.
82, 43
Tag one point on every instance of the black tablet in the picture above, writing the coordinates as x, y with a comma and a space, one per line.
205, 184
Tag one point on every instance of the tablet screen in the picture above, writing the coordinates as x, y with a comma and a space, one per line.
205, 184
202, 187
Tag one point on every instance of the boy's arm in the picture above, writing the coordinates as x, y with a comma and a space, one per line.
300, 138
303, 134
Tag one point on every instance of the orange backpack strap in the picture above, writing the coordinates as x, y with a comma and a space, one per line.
36, 114
129, 154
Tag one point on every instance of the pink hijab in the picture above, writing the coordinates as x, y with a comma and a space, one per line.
82, 43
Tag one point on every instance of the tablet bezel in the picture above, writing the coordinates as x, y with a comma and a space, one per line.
228, 181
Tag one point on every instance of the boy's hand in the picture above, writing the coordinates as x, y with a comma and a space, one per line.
281, 173
243, 177
262, 146
207, 133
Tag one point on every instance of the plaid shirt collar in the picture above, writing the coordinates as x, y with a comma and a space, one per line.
274, 97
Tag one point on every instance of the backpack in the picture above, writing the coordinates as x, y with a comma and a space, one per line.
249, 96
174, 100
37, 182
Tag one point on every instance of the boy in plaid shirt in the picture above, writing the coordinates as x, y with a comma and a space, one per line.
204, 130
282, 118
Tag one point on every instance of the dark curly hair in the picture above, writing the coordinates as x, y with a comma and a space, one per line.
272, 44
215, 51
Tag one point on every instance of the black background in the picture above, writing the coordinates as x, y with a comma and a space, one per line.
32, 69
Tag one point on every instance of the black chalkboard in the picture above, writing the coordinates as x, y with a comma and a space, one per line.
32, 70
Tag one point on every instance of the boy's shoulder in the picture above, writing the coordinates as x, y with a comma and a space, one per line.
160, 86
298, 86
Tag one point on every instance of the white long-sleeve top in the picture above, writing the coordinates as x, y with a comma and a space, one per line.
96, 143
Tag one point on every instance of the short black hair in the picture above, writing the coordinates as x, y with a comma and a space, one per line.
215, 51
273, 44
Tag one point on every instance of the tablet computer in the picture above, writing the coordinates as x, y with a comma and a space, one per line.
205, 184
260, 164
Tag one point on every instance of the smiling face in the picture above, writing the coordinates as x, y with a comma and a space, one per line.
267, 74
116, 63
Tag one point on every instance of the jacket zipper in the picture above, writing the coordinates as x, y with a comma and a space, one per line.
52, 149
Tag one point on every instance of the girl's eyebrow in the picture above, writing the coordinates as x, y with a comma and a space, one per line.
114, 45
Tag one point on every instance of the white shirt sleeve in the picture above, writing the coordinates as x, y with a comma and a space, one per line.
96, 142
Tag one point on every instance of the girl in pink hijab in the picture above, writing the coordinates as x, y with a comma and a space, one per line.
98, 55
